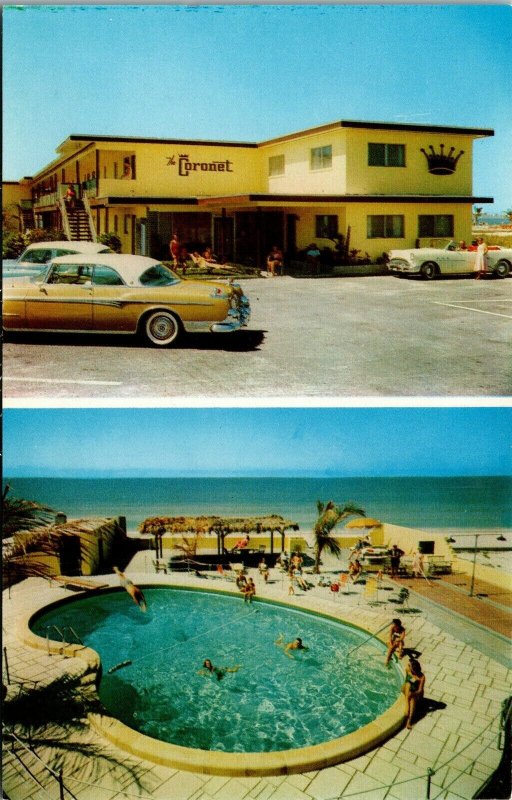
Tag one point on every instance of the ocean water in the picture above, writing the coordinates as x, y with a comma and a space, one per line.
426, 503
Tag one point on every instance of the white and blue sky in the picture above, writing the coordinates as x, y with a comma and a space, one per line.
250, 72
331, 442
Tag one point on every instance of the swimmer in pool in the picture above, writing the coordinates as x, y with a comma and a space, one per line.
289, 646
134, 591
219, 672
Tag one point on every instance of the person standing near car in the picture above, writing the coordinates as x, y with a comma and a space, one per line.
174, 248
481, 259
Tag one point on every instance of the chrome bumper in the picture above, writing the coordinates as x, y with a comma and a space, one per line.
402, 266
237, 317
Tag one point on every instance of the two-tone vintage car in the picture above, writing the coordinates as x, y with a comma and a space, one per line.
36, 255
121, 294
430, 262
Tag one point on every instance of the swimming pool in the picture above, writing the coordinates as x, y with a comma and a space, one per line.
272, 703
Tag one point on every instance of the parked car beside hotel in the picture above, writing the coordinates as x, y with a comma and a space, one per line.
430, 262
36, 256
121, 294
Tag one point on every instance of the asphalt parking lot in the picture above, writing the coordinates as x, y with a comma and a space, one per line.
373, 336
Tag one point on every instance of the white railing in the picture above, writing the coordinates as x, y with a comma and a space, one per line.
87, 207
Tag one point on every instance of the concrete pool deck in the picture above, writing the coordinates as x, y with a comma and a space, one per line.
460, 676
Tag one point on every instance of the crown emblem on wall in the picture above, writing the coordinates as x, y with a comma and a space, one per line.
441, 163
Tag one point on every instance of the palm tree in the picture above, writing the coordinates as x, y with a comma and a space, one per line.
329, 515
477, 213
22, 515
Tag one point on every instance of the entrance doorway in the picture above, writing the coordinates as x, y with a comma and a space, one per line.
223, 238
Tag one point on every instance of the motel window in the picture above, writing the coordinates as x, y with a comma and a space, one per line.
128, 168
115, 169
125, 226
326, 226
321, 157
435, 225
276, 165
385, 226
386, 155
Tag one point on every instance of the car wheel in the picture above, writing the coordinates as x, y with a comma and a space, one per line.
429, 270
502, 269
160, 328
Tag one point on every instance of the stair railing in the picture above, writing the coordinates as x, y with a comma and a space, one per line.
65, 218
87, 207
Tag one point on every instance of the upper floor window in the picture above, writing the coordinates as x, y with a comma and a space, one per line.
386, 155
435, 225
128, 168
326, 226
385, 226
321, 157
276, 165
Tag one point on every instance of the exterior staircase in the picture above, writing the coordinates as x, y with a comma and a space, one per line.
78, 222
27, 219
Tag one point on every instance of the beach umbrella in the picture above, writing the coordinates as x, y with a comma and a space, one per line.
363, 522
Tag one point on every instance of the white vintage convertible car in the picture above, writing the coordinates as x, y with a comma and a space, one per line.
430, 262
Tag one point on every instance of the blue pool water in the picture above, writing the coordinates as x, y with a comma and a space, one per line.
272, 703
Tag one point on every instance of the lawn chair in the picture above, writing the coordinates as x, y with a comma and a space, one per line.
371, 592
402, 599
334, 588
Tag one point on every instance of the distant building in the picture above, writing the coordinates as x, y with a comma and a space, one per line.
378, 185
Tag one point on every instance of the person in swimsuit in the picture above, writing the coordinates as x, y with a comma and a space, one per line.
219, 672
396, 640
249, 591
413, 689
289, 646
134, 591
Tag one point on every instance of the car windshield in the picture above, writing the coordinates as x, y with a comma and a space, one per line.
158, 275
39, 256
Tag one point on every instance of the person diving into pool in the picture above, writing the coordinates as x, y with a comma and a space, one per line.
296, 644
219, 672
134, 591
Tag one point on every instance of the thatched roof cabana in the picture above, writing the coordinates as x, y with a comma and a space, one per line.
220, 527
78, 546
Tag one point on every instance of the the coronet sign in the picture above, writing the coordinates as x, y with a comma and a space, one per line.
186, 165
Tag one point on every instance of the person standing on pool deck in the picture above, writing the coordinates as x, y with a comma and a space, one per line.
395, 554
249, 591
134, 591
396, 640
413, 688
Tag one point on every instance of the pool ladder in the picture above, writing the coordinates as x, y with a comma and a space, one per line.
64, 635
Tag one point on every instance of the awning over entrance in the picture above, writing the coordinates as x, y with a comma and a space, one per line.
255, 200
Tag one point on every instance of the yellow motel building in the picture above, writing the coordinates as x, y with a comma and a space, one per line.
379, 185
